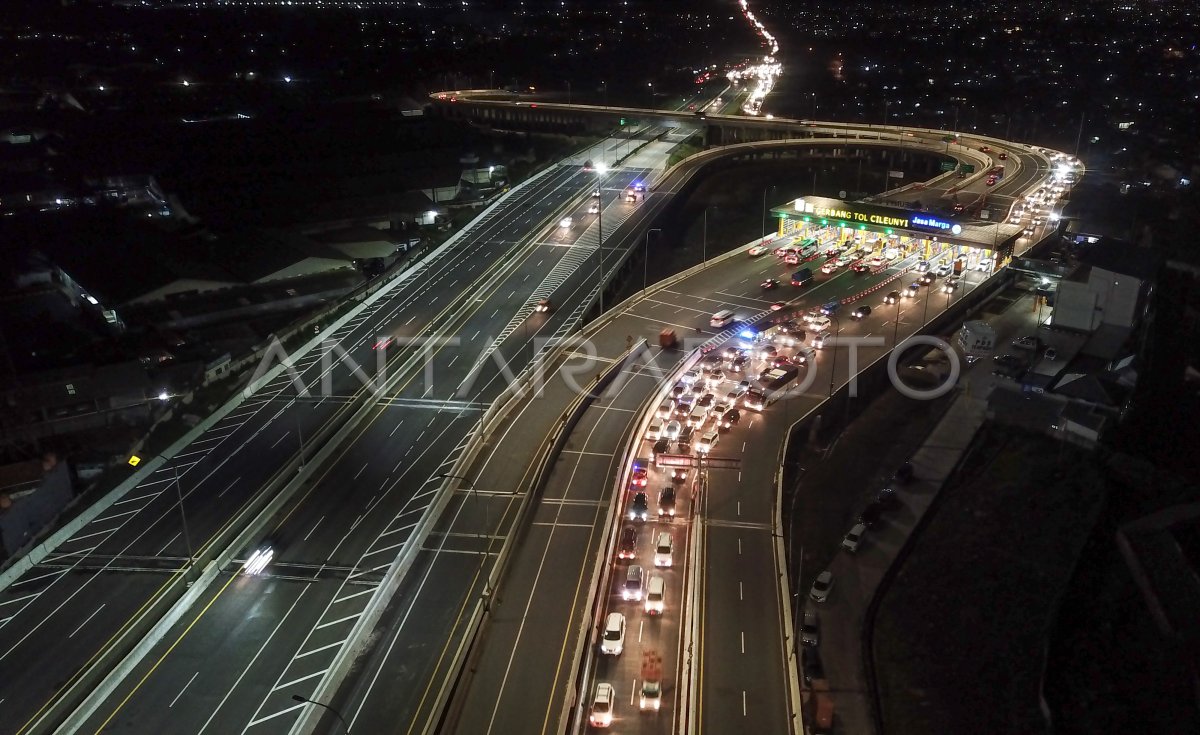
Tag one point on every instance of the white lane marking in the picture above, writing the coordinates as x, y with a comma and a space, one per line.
335, 622
367, 591
293, 682
742, 635
452, 361
494, 313
310, 531
86, 620
739, 545
473, 336
281, 438
739, 507
290, 709
164, 548
181, 691
322, 648
641, 624
743, 703
740, 597
364, 467
396, 427
228, 488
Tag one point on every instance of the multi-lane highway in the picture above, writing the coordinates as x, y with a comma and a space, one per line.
250, 643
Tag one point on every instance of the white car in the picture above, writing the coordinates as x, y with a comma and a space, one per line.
594, 208
566, 223
821, 586
844, 260
602, 705
756, 251
820, 324
944, 269
672, 430
613, 641
876, 262
818, 342
830, 267
854, 538
984, 264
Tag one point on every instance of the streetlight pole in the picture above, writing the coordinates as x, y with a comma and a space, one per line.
837, 330
646, 258
487, 524
896, 325
764, 211
600, 169
187, 539
704, 241
305, 700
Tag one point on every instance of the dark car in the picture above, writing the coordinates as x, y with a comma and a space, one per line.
928, 278
1003, 156
860, 313
685, 438
738, 363
860, 267
706, 400
769, 284
730, 418
887, 499
871, 514
666, 502
678, 390
639, 509
893, 297
627, 546
811, 663
662, 446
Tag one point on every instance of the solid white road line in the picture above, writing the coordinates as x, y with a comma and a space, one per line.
86, 620
181, 691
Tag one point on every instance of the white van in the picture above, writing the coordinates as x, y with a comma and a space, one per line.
663, 547
708, 440
656, 593
654, 430
698, 417
721, 319
665, 409
632, 589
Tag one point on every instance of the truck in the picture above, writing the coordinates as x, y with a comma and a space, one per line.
651, 698
976, 339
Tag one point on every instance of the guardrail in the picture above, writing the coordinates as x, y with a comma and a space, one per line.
548, 454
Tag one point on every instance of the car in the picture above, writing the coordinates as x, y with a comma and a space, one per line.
913, 289
678, 390
991, 181
830, 308
730, 418
792, 258
829, 267
870, 515
596, 193
810, 629
886, 498
678, 474
685, 438
860, 313
603, 702
383, 342
756, 251
738, 364
706, 400
613, 640
861, 267
664, 549
690, 377
543, 306
767, 352
803, 356
852, 540
1027, 342
638, 508
893, 297
769, 284
811, 665
820, 324
716, 377
672, 430
627, 545
587, 165
877, 262
738, 391
656, 593
630, 197
684, 403
844, 261
637, 476
666, 502
950, 286
639, 186
662, 446
985, 149
821, 587
922, 266
943, 270
780, 251
1003, 156
594, 208
984, 264
927, 279
566, 223
784, 362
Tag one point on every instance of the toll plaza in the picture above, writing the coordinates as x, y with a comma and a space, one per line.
901, 231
